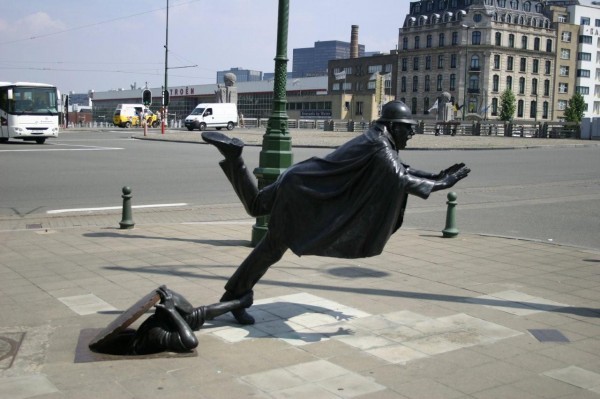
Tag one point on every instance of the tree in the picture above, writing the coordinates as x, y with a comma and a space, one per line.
507, 105
575, 109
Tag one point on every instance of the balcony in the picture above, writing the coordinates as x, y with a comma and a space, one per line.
473, 90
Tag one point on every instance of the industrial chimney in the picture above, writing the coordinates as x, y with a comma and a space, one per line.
354, 42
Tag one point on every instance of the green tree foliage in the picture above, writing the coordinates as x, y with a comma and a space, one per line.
507, 106
575, 109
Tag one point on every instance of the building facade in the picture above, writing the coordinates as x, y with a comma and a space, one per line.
242, 75
475, 50
579, 26
312, 61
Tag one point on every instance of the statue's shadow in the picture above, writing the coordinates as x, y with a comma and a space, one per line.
295, 323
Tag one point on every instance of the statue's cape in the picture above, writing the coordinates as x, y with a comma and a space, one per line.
347, 204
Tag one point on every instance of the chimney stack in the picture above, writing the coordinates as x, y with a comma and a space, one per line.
354, 42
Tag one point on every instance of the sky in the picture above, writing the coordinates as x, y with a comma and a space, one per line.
110, 44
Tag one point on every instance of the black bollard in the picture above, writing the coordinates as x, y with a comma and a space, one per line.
450, 230
127, 220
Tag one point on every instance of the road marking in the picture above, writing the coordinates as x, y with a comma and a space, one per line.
82, 148
108, 208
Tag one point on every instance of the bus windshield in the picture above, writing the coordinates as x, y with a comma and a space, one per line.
34, 101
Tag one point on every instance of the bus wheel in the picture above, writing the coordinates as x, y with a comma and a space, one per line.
40, 140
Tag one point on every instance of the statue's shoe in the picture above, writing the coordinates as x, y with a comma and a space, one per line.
231, 148
242, 316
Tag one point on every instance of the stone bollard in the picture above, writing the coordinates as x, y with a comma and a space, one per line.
127, 222
450, 230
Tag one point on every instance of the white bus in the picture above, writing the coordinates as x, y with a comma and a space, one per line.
28, 111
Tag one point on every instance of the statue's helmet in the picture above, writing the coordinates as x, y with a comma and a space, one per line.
396, 112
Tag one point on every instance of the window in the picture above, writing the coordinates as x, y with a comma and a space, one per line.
427, 83
585, 39
524, 42
375, 68
404, 64
564, 70
359, 108
510, 63
520, 106
536, 44
414, 105
475, 63
440, 63
417, 42
439, 82
452, 82
562, 105
563, 87
454, 38
403, 84
496, 61
509, 83
429, 41
441, 40
453, 60
521, 85
498, 40
536, 66
523, 64
566, 36
496, 83
545, 108
514, 4
426, 104
533, 109
511, 40
415, 84
584, 56
549, 45
415, 63
405, 43
494, 106
477, 17
428, 62
534, 84
502, 3
583, 90
584, 21
548, 67
583, 73
565, 53
476, 37
371, 85
473, 84
546, 87
527, 6
597, 23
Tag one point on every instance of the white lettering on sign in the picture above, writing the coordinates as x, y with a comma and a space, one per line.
180, 91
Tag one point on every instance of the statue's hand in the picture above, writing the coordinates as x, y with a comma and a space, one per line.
166, 299
451, 179
452, 169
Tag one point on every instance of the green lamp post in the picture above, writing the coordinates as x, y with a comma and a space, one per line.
276, 153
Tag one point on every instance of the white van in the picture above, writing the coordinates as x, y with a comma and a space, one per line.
212, 115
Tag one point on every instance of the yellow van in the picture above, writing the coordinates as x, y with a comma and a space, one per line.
127, 115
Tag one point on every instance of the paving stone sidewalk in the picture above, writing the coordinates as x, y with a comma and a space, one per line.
468, 317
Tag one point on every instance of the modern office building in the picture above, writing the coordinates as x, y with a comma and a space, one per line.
312, 61
475, 50
242, 75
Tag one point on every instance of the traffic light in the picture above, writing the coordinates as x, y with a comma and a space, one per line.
165, 97
147, 97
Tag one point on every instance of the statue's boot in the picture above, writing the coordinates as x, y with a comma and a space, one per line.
240, 313
231, 148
